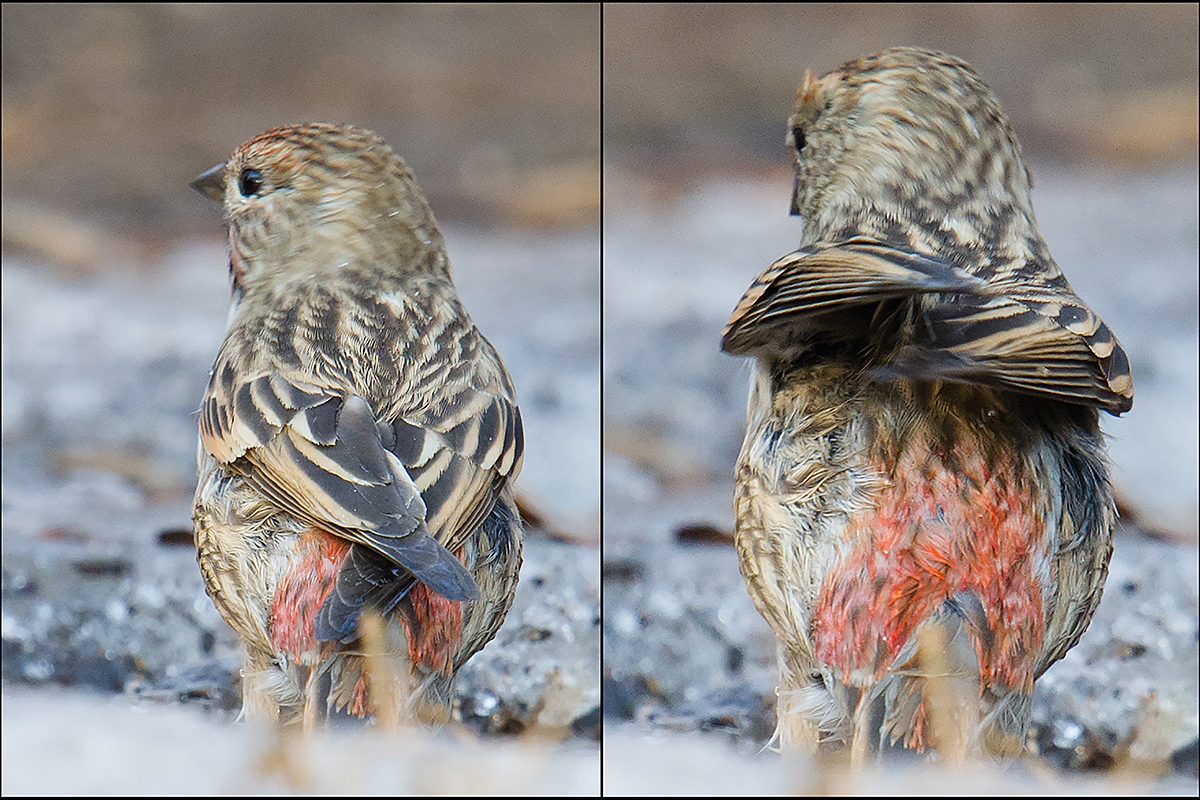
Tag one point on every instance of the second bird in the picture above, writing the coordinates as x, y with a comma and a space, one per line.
924, 512
358, 436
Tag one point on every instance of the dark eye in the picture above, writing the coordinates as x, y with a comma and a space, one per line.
250, 182
798, 137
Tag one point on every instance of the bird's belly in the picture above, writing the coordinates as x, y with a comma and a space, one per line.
849, 542
944, 527
269, 574
313, 564
244, 546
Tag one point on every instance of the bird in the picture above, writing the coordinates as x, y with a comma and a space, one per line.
923, 501
358, 434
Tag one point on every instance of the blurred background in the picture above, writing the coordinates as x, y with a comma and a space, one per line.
115, 289
115, 293
108, 110
706, 87
696, 190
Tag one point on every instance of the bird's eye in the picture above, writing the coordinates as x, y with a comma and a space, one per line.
798, 137
250, 182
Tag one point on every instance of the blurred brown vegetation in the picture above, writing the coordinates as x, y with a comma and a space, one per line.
698, 86
110, 110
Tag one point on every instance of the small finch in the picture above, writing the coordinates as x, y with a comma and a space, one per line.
358, 434
924, 513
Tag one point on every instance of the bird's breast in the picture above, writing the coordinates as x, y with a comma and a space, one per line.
862, 513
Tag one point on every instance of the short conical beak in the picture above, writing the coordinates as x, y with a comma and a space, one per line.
211, 183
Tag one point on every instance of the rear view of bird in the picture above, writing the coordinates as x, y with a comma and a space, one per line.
924, 509
358, 436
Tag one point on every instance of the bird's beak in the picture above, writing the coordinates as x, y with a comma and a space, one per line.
211, 183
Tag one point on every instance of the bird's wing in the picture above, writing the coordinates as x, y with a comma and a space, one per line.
319, 455
824, 278
461, 460
1031, 341
459, 451
459, 454
1022, 336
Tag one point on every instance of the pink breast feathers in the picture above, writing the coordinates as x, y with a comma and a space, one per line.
946, 524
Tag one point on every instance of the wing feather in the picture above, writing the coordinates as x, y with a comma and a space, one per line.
321, 456
1038, 339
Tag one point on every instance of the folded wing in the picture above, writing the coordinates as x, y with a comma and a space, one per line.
321, 458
